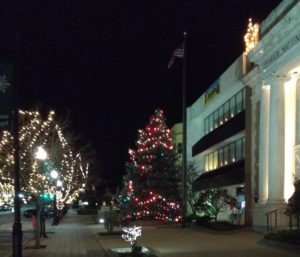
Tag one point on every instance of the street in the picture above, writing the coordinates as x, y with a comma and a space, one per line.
6, 222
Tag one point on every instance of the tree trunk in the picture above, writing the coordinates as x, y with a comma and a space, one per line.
38, 224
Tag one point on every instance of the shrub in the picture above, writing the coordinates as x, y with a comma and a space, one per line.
204, 220
213, 201
291, 237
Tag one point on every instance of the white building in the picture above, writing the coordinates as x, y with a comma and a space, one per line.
244, 132
177, 132
216, 135
275, 112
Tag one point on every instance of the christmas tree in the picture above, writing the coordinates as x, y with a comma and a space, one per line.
151, 185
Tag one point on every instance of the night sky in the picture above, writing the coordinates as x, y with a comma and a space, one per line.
105, 62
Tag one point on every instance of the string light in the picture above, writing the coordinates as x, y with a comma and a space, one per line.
154, 141
251, 37
33, 133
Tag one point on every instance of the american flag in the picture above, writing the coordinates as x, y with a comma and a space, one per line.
179, 53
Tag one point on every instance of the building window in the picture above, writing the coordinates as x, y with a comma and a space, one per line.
225, 112
232, 106
179, 148
232, 152
239, 102
225, 155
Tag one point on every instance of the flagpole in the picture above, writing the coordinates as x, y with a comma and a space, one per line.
17, 233
184, 175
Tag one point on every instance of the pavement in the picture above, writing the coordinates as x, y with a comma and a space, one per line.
80, 236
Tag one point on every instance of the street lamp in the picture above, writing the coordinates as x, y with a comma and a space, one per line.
54, 175
41, 154
58, 183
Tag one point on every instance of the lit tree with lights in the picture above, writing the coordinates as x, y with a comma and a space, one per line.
36, 133
151, 185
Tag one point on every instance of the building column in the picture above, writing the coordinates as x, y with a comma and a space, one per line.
297, 145
264, 144
276, 141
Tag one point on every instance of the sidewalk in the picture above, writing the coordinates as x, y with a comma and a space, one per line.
71, 238
80, 236
175, 241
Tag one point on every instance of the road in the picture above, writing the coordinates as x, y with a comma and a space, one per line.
6, 222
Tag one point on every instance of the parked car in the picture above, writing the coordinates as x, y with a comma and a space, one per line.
5, 207
28, 213
48, 212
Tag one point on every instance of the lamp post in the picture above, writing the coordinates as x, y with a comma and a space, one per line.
54, 176
41, 155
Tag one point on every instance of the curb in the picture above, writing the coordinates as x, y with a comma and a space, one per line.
280, 245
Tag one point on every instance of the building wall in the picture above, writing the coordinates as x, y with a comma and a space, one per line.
275, 113
272, 131
177, 133
229, 84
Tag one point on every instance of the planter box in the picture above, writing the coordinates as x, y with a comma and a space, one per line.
126, 252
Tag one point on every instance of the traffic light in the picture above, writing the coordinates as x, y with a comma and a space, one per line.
47, 197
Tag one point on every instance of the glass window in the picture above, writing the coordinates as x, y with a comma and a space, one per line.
232, 106
216, 120
232, 157
210, 161
239, 101
226, 154
221, 115
179, 148
206, 163
211, 126
239, 150
220, 157
215, 159
226, 111
206, 126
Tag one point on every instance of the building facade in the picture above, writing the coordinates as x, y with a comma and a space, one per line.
274, 80
177, 133
243, 133
217, 135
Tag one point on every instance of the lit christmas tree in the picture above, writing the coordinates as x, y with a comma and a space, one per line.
151, 185
34, 133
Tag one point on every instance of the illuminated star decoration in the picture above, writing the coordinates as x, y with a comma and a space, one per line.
4, 84
131, 233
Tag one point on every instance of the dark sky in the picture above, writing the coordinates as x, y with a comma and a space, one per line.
106, 61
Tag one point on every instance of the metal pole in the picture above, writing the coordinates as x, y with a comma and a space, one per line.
54, 220
17, 226
184, 132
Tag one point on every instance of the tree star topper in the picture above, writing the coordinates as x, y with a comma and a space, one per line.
131, 233
4, 84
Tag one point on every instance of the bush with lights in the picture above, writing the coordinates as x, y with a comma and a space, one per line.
151, 184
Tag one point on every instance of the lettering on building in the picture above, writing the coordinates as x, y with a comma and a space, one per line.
282, 50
